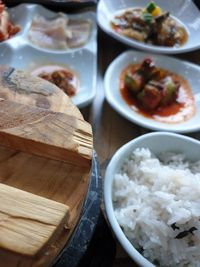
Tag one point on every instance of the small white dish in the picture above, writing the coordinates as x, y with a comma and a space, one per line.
185, 69
157, 142
20, 53
184, 11
28, 59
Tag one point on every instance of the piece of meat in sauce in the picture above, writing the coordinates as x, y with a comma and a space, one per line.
166, 31
63, 79
150, 97
150, 86
136, 80
158, 94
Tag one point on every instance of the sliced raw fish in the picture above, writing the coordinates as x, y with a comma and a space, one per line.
59, 33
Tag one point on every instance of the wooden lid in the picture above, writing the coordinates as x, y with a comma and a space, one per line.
45, 160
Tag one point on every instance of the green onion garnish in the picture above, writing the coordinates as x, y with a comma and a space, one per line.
147, 17
150, 7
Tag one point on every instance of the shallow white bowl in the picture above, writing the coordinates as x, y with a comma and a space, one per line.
184, 11
190, 72
157, 142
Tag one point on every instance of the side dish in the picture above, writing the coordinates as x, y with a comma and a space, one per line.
59, 33
7, 29
64, 78
157, 93
156, 203
150, 25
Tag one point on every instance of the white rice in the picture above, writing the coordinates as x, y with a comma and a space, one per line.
152, 195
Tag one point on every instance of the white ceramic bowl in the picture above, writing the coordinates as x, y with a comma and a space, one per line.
189, 71
184, 11
157, 142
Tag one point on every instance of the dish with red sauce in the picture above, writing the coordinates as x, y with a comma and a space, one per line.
157, 93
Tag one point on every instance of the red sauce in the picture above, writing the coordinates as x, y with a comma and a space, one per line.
181, 110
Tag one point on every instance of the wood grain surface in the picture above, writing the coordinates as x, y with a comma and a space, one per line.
31, 167
45, 133
110, 129
19, 225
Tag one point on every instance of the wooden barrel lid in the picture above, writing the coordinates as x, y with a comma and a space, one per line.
57, 179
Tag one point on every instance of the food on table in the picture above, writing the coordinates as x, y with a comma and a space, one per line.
62, 77
150, 25
59, 33
157, 203
157, 93
7, 29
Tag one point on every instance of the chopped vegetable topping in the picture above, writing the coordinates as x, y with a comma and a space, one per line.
174, 227
186, 232
150, 7
147, 17
191, 230
134, 82
157, 11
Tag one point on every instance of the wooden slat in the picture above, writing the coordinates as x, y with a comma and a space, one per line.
28, 222
59, 181
45, 133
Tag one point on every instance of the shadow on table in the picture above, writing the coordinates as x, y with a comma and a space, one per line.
102, 249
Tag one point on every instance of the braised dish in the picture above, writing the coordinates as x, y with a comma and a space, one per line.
62, 77
157, 93
150, 25
7, 28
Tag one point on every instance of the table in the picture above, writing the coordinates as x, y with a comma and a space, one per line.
110, 129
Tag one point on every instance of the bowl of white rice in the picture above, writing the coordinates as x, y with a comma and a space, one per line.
152, 199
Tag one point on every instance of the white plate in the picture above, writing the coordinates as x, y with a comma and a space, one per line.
184, 10
20, 53
187, 70
170, 142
